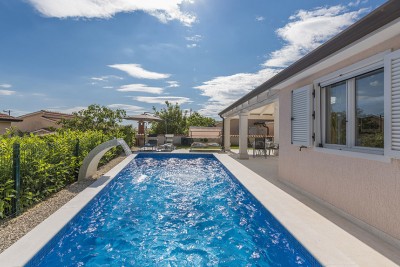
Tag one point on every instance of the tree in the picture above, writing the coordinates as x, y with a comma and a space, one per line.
95, 117
100, 118
195, 119
173, 120
177, 121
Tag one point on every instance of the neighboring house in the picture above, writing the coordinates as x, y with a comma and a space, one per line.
41, 121
337, 118
5, 122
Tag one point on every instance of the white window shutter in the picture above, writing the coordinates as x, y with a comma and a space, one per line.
302, 116
392, 104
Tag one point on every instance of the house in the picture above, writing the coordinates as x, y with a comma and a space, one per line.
6, 121
337, 119
42, 121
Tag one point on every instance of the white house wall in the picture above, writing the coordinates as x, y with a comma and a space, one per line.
366, 189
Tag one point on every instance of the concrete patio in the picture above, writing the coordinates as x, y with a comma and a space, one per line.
268, 169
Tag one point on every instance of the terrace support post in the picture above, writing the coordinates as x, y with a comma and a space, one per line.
17, 179
276, 122
243, 134
227, 134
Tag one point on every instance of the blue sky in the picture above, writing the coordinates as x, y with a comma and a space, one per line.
64, 55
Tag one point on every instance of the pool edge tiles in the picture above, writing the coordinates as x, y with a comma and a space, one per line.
26, 248
324, 240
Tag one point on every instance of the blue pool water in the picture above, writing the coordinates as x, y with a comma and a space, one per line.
174, 210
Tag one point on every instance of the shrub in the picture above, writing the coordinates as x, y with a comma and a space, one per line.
48, 163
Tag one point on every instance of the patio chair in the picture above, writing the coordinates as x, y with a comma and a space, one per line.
149, 146
169, 138
272, 148
166, 147
259, 148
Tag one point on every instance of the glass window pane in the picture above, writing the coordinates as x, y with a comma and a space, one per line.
336, 113
369, 109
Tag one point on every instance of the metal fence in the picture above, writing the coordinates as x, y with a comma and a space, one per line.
32, 168
32, 172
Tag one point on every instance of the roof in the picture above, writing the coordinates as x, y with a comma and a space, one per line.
42, 131
5, 117
378, 18
52, 115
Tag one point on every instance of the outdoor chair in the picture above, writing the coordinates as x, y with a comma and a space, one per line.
149, 146
259, 148
166, 147
272, 148
169, 138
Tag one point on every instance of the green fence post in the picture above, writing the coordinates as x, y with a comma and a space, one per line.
17, 179
76, 154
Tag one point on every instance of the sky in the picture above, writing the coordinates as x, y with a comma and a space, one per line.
63, 55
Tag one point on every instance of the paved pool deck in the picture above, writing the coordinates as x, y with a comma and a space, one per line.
356, 244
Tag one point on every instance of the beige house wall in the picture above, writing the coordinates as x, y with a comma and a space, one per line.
368, 190
4, 125
34, 122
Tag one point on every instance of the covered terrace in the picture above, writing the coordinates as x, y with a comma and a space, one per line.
256, 118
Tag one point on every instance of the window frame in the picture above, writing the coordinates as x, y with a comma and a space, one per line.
349, 75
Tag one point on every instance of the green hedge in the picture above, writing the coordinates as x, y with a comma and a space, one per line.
48, 163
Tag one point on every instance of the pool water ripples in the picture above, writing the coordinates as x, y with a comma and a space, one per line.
175, 212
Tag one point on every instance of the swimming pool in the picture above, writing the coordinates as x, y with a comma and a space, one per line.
174, 210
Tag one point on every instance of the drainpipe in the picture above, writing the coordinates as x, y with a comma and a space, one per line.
223, 133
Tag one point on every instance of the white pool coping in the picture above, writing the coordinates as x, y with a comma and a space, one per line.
328, 243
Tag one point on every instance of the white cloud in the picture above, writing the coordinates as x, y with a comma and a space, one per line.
127, 108
106, 78
140, 88
195, 38
108, 87
304, 32
357, 3
173, 84
309, 29
135, 70
39, 94
5, 85
66, 110
260, 18
164, 11
161, 99
7, 92
224, 90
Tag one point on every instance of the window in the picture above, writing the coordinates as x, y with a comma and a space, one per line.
354, 113
336, 113
369, 110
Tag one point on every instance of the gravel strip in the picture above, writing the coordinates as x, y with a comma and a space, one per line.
16, 228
